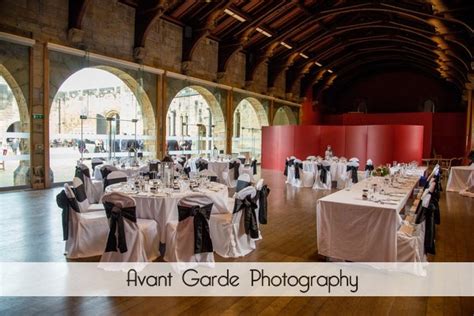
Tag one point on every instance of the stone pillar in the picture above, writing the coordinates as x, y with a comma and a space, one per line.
161, 116
271, 113
230, 122
39, 106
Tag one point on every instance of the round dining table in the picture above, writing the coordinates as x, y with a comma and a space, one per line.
162, 206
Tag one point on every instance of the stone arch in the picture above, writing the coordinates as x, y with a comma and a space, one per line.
216, 112
284, 116
259, 110
148, 114
246, 119
19, 98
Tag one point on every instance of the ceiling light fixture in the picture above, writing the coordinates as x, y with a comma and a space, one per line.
330, 71
304, 56
263, 32
318, 64
286, 45
234, 15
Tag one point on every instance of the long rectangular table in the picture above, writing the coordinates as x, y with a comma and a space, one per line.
459, 178
350, 228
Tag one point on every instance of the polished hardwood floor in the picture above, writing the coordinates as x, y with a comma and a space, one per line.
30, 230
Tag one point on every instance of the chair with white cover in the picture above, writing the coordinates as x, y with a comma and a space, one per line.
411, 236
115, 177
242, 182
251, 169
189, 239
311, 158
242, 159
230, 177
130, 239
369, 167
80, 194
298, 173
93, 188
323, 179
233, 235
354, 159
104, 171
350, 176
85, 233
96, 162
290, 170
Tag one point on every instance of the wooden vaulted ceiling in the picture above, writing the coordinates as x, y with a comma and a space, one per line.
325, 41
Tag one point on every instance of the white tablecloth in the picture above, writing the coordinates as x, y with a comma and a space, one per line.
354, 229
163, 208
418, 171
459, 178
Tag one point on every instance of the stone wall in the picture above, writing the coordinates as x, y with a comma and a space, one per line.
108, 28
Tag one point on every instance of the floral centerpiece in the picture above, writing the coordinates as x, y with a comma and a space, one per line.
381, 171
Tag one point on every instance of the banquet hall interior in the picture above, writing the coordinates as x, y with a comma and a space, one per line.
293, 131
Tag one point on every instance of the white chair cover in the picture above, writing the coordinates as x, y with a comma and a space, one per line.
347, 175
142, 238
93, 188
115, 177
86, 232
228, 231
229, 175
80, 196
180, 240
297, 182
368, 166
318, 183
98, 172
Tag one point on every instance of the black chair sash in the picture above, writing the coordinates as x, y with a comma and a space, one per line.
182, 162
248, 206
201, 165
104, 171
323, 171
108, 182
80, 193
235, 165
369, 167
201, 216
427, 214
213, 178
65, 203
116, 217
353, 170
241, 185
298, 167
153, 166
254, 166
81, 173
242, 160
95, 164
187, 170
263, 204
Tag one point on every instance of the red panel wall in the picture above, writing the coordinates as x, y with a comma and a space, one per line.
334, 136
443, 132
406, 143
356, 143
381, 143
306, 138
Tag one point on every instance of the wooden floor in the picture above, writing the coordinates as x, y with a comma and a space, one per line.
30, 230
